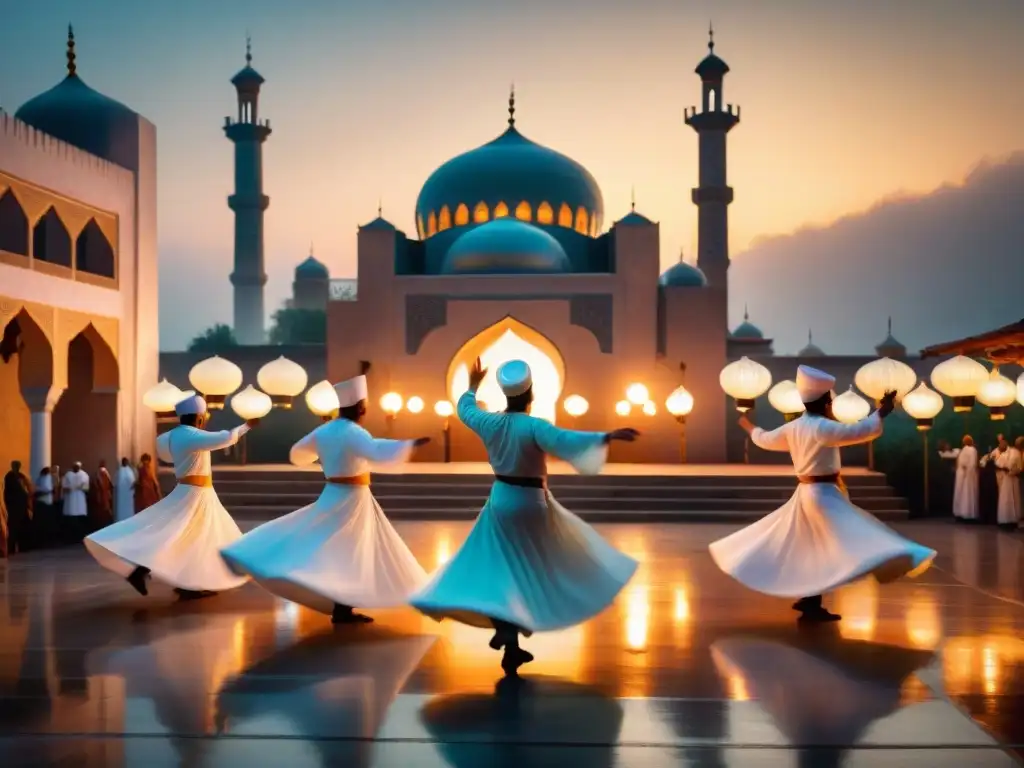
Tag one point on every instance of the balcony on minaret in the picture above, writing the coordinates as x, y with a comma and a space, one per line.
712, 119
242, 131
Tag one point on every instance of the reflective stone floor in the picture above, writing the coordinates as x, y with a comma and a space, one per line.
686, 669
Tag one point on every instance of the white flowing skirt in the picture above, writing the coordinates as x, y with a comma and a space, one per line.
817, 541
178, 539
530, 562
339, 549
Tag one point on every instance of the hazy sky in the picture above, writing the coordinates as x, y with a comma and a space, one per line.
844, 103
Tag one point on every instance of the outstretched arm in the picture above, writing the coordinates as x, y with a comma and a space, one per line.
200, 440
305, 452
380, 451
835, 434
587, 452
775, 440
472, 415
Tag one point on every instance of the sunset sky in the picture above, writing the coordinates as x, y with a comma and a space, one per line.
844, 104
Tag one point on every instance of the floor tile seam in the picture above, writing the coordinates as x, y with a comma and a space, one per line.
982, 590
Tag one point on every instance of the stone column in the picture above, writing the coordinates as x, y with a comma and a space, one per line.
41, 402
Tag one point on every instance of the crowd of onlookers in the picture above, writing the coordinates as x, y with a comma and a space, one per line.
53, 510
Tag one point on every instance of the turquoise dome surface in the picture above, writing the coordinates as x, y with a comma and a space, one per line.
683, 275
509, 170
311, 269
505, 246
747, 330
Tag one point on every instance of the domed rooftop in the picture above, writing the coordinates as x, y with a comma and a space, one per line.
510, 176
711, 67
505, 246
746, 329
73, 112
684, 275
311, 269
890, 347
812, 349
247, 77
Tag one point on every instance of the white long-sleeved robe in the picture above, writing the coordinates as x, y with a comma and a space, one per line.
527, 561
76, 488
817, 540
1009, 465
341, 549
180, 537
124, 494
965, 489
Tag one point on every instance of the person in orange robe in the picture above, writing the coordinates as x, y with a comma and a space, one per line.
147, 487
101, 501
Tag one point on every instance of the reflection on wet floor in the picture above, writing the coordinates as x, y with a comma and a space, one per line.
687, 668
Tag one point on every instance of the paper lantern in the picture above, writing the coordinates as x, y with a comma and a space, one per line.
215, 378
649, 408
391, 404
623, 407
745, 381
444, 408
923, 405
637, 394
415, 404
679, 403
162, 398
785, 398
250, 403
883, 375
283, 380
1020, 389
959, 378
576, 405
850, 407
998, 393
322, 400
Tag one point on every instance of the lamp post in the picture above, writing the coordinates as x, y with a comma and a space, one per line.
283, 380
575, 406
744, 381
391, 404
445, 409
322, 400
785, 398
680, 404
215, 378
414, 405
161, 399
250, 404
883, 375
923, 405
998, 393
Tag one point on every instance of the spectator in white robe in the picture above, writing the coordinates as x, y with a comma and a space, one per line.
76, 501
1009, 464
965, 490
124, 491
1004, 501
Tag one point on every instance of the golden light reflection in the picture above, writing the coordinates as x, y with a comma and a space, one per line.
443, 549
981, 664
682, 605
638, 613
735, 683
858, 605
990, 670
924, 625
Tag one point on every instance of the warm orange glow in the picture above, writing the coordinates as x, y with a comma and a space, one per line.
637, 394
650, 409
582, 220
681, 610
545, 214
924, 625
736, 685
481, 213
431, 225
858, 605
565, 216
420, 229
622, 408
523, 211
442, 550
594, 228
461, 215
638, 613
444, 219
500, 211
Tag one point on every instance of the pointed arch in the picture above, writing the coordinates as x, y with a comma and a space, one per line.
481, 213
51, 242
582, 220
524, 212
545, 213
565, 216
420, 229
431, 225
461, 215
14, 227
444, 219
93, 253
595, 227
24, 336
500, 210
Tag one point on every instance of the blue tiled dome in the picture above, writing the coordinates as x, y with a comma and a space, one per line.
505, 246
311, 269
746, 329
683, 275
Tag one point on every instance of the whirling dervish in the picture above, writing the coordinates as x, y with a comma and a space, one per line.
528, 565
340, 552
178, 539
818, 540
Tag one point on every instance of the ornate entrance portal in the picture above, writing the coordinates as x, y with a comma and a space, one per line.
510, 340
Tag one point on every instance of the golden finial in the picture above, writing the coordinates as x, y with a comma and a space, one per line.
512, 106
632, 199
72, 69
746, 314
311, 249
248, 49
380, 208
711, 38
682, 258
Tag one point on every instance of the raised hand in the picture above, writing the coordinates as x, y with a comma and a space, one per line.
420, 441
476, 375
625, 435
747, 425
887, 404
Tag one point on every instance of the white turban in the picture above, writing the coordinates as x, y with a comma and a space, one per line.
514, 378
352, 391
813, 384
193, 405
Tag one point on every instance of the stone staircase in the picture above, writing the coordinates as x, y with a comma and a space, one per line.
262, 494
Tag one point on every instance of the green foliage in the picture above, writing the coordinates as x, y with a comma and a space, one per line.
299, 326
214, 340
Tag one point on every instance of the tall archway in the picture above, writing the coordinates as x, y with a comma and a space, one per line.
85, 421
26, 365
509, 339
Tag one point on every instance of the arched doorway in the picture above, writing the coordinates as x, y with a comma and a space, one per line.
85, 421
26, 368
507, 340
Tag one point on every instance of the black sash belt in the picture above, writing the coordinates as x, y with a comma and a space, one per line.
523, 482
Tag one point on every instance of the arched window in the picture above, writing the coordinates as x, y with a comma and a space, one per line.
565, 216
593, 224
480, 213
461, 215
431, 225
444, 219
523, 211
500, 210
712, 100
93, 253
545, 214
13, 225
51, 241
582, 220
419, 226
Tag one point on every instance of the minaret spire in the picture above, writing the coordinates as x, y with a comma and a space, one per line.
890, 325
711, 37
380, 208
248, 49
632, 198
72, 68
311, 249
512, 106
746, 314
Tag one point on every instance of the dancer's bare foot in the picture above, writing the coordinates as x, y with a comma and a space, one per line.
514, 658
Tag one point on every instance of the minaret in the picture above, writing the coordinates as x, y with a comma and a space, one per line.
248, 134
713, 195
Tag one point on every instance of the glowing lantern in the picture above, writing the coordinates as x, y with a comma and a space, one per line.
250, 403
622, 408
885, 375
923, 405
745, 381
215, 378
637, 394
444, 408
650, 408
679, 403
785, 398
959, 378
391, 404
322, 400
998, 393
1020, 389
162, 398
283, 380
850, 407
415, 404
576, 405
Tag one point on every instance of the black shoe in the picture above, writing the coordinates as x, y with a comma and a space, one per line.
342, 614
513, 659
807, 604
497, 642
192, 594
819, 616
138, 581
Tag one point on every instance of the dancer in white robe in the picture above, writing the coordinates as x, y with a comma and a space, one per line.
817, 541
178, 539
340, 551
965, 489
124, 492
1009, 463
528, 565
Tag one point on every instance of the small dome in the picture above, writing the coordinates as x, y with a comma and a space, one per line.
711, 67
633, 219
890, 347
812, 349
746, 329
247, 77
311, 269
505, 246
684, 275
379, 223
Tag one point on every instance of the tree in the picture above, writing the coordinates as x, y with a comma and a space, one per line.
215, 339
299, 326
